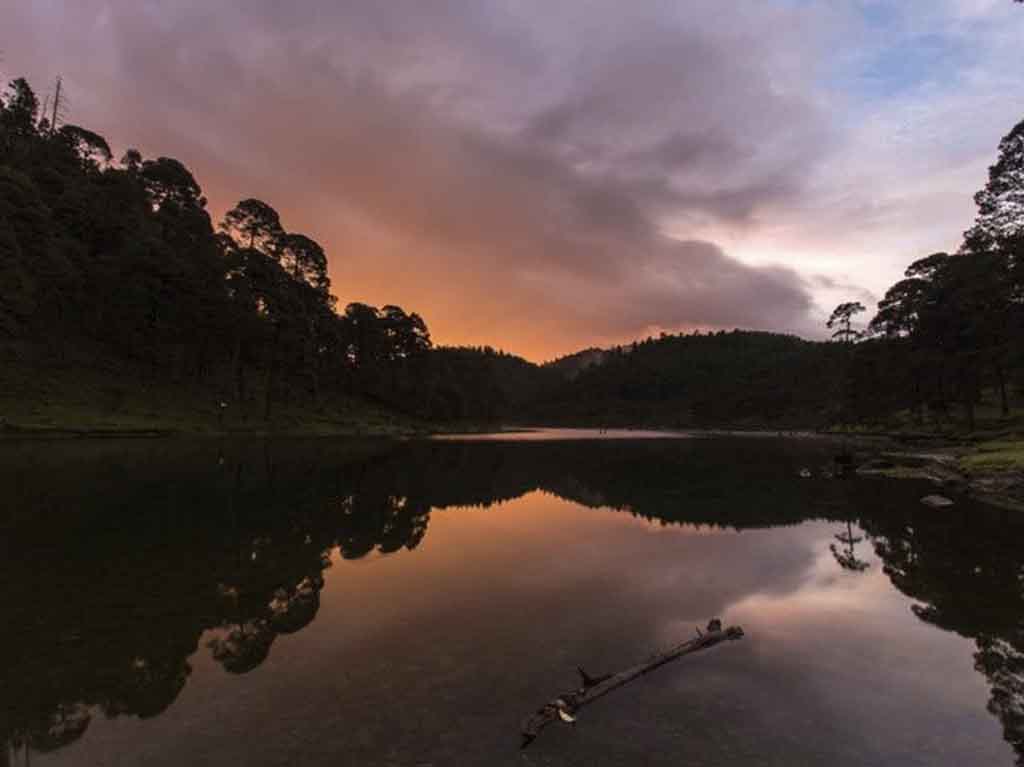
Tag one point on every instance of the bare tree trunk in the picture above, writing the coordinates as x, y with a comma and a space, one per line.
1004, 402
918, 400
236, 370
942, 388
564, 706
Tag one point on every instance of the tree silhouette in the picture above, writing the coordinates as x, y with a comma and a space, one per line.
91, 147
842, 316
20, 112
304, 259
167, 182
1001, 202
254, 225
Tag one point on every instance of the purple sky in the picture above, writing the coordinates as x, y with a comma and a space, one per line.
546, 176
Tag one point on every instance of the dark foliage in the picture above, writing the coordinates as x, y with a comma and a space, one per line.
739, 378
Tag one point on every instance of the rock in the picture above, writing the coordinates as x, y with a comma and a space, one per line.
937, 501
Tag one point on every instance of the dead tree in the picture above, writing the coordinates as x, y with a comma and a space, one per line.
565, 706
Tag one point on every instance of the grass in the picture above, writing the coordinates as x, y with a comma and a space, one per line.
990, 424
995, 455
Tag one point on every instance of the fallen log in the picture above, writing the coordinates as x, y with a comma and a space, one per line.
564, 707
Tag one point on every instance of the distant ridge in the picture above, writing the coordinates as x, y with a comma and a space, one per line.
571, 365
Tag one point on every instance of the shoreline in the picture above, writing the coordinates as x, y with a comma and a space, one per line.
988, 470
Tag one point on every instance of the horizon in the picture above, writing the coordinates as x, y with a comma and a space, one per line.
544, 182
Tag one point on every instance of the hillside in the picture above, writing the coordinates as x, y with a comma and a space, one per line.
740, 378
571, 365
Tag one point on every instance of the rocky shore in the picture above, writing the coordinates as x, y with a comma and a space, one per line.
989, 472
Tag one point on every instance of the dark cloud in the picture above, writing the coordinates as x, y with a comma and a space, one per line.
846, 288
507, 171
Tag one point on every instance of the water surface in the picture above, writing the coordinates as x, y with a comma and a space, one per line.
341, 603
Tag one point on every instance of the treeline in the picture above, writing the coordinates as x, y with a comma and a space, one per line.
117, 266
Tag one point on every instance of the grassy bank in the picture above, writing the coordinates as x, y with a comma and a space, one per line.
117, 402
995, 455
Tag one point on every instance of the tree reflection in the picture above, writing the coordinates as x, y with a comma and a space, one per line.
1002, 662
847, 556
141, 569
967, 573
244, 647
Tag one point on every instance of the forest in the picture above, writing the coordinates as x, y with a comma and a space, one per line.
113, 275
119, 291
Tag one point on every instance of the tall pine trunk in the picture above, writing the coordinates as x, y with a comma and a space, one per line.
271, 373
1004, 402
237, 373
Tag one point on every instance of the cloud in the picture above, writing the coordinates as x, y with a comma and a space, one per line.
540, 176
930, 88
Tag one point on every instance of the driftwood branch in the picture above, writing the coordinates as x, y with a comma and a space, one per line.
565, 706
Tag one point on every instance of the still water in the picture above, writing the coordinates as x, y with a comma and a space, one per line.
339, 603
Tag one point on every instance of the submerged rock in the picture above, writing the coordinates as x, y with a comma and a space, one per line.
937, 501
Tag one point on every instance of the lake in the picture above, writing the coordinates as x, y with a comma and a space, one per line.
337, 602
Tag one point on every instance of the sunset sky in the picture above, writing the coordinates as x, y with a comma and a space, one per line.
546, 175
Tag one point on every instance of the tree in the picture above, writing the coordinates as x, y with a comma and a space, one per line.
168, 181
255, 225
20, 109
968, 323
843, 317
1001, 203
911, 313
131, 161
24, 241
406, 333
91, 147
998, 237
304, 259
